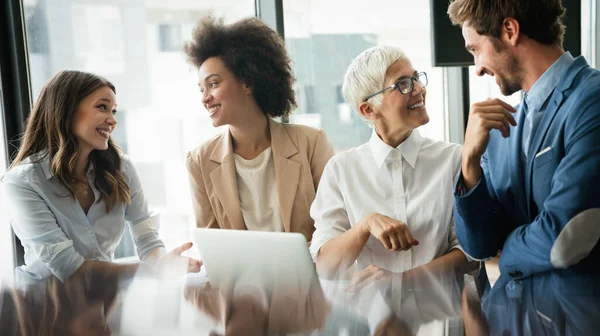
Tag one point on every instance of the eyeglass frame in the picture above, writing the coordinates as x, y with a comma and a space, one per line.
396, 85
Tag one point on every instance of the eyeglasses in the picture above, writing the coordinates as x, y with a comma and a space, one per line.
405, 84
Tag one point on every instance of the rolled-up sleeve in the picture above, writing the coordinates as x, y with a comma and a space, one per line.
36, 226
143, 225
328, 210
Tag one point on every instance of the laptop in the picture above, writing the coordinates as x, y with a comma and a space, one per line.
259, 258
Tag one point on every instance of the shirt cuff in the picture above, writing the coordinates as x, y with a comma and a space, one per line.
147, 243
145, 235
321, 237
65, 263
314, 248
144, 227
460, 187
458, 247
469, 258
477, 259
460, 190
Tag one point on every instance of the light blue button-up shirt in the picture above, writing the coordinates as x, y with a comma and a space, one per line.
537, 97
56, 233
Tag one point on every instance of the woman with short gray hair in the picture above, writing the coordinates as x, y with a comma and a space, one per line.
387, 205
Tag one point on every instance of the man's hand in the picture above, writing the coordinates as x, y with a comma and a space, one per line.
483, 118
393, 234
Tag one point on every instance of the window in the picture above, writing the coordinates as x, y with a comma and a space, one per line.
322, 46
309, 99
169, 37
3, 142
137, 46
6, 244
97, 46
590, 29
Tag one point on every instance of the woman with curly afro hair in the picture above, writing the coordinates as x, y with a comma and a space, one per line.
258, 174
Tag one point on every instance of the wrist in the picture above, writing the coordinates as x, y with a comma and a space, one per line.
471, 171
470, 159
365, 227
155, 254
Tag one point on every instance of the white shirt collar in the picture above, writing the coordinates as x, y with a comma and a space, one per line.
409, 148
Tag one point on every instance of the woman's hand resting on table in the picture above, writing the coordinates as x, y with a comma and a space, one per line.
173, 262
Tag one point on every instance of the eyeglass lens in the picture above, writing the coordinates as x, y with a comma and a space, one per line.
405, 85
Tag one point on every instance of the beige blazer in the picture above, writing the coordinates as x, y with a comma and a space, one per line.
299, 153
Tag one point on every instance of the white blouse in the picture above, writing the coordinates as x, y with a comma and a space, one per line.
257, 189
412, 183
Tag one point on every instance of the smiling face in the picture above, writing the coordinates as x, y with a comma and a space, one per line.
223, 95
401, 112
494, 58
94, 120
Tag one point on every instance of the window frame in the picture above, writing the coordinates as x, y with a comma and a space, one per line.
15, 87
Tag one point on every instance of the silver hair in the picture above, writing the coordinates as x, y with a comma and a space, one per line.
366, 75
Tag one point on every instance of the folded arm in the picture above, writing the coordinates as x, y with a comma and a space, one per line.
481, 223
566, 229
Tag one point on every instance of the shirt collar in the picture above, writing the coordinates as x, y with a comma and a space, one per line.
45, 164
543, 87
409, 148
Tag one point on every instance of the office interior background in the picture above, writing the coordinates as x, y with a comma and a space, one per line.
137, 44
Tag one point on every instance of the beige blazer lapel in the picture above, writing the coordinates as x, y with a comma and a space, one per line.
225, 182
287, 170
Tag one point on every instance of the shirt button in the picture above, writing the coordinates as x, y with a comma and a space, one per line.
396, 165
90, 231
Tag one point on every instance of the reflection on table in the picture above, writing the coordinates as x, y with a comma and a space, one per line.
101, 304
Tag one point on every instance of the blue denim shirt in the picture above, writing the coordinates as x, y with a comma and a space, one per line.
56, 233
